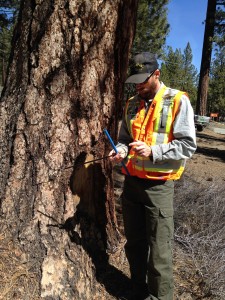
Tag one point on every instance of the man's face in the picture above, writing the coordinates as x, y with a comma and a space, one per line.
149, 87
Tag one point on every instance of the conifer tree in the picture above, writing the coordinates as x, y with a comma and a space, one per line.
171, 68
216, 97
201, 104
190, 74
219, 31
60, 92
152, 26
177, 71
8, 14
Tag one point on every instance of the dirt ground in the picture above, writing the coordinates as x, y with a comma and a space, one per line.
208, 163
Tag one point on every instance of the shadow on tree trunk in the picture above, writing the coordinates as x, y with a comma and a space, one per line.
113, 279
88, 227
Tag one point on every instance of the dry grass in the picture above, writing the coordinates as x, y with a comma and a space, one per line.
200, 239
17, 281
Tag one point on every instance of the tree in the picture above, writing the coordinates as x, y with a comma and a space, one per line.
8, 14
219, 32
5, 46
151, 31
152, 26
190, 74
64, 85
201, 106
177, 71
172, 68
216, 98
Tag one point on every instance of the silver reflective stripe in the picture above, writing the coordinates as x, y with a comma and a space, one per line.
164, 117
165, 166
160, 138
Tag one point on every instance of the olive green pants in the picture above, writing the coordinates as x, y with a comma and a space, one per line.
148, 223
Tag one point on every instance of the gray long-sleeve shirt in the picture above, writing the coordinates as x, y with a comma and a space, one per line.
184, 144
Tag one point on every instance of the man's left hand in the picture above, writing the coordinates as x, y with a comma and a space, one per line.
141, 148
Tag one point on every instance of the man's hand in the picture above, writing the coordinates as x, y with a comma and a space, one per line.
141, 148
117, 157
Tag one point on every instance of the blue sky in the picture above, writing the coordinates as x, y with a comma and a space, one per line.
185, 18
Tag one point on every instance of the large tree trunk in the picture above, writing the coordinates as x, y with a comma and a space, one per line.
201, 105
64, 86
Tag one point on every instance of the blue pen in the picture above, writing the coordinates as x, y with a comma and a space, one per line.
114, 148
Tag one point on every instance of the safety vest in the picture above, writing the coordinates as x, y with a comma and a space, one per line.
153, 128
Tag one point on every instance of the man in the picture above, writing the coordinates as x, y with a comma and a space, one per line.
157, 135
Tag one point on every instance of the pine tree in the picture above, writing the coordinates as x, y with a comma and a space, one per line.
190, 74
219, 29
177, 71
8, 15
152, 26
5, 47
201, 104
216, 97
63, 87
171, 68
8, 12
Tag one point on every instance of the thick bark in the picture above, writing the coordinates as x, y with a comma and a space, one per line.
64, 86
201, 105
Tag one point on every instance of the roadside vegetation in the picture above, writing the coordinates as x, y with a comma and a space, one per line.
200, 239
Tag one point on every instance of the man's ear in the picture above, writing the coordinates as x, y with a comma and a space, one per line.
157, 73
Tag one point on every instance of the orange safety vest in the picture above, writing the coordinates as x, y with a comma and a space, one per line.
153, 128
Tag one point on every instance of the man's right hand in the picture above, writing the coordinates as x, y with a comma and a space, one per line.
117, 157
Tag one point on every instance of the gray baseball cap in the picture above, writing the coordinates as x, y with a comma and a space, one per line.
142, 66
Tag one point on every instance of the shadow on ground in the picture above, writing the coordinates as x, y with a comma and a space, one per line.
211, 152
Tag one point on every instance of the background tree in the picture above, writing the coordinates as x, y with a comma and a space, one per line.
216, 98
171, 68
152, 29
67, 65
190, 75
152, 26
8, 14
177, 71
220, 23
201, 105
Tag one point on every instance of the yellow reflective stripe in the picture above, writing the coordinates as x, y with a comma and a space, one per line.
163, 170
169, 119
166, 139
154, 138
129, 124
160, 93
169, 171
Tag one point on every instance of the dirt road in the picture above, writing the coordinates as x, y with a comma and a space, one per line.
208, 163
